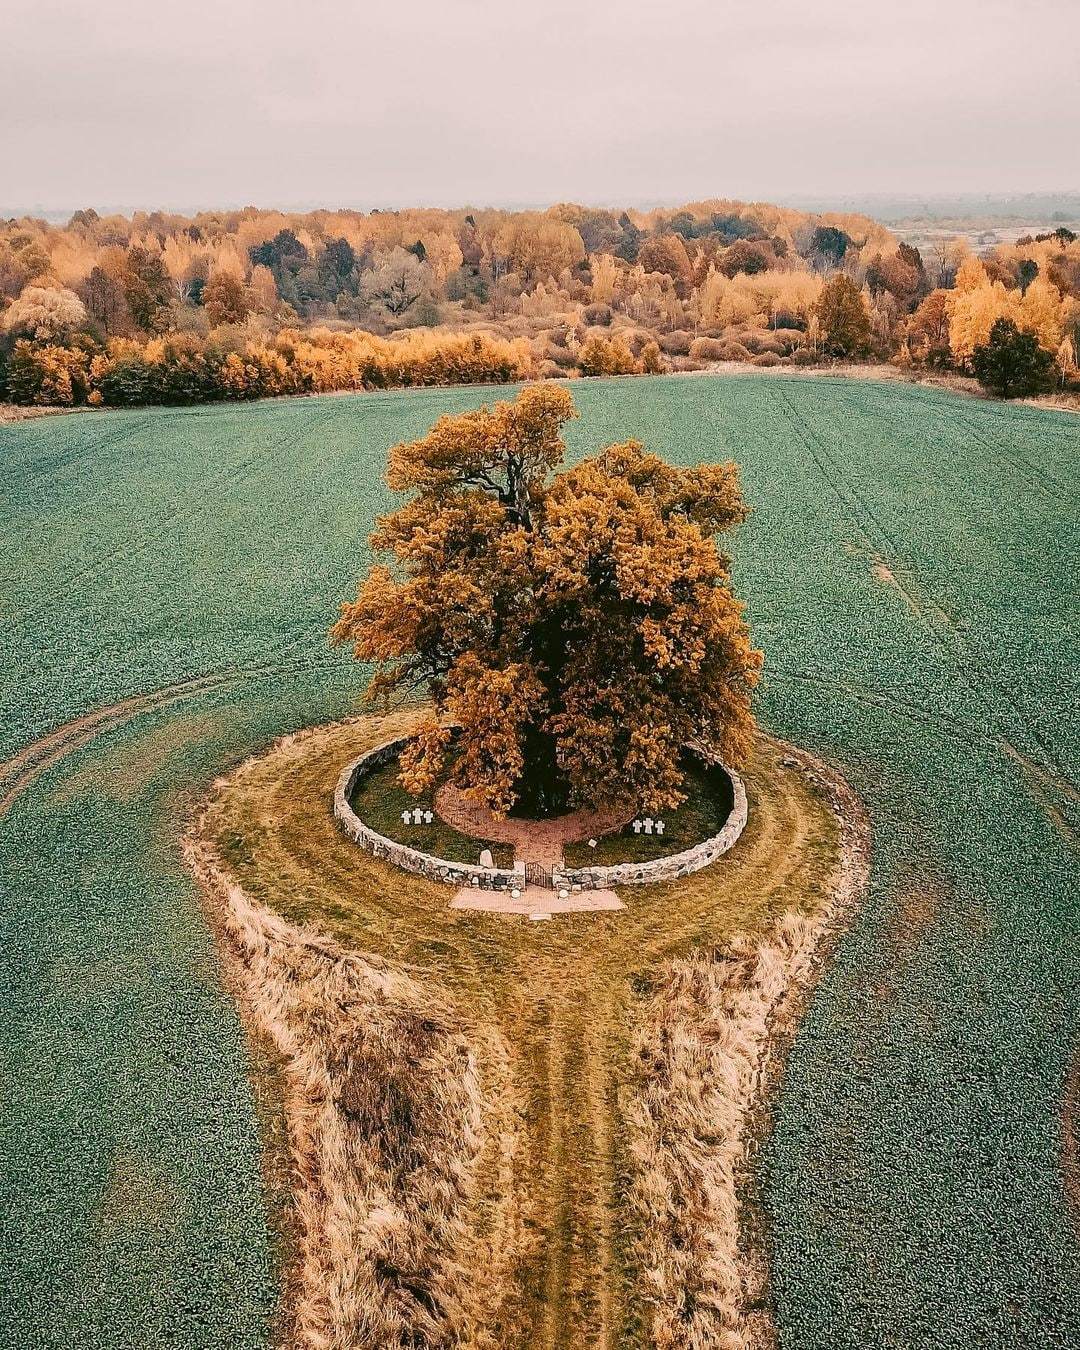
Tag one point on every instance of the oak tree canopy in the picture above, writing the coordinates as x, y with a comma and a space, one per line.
575, 624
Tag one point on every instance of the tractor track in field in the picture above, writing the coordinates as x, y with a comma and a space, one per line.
136, 543
1041, 783
1070, 1139
912, 712
24, 768
1044, 477
1030, 473
937, 620
49, 466
943, 624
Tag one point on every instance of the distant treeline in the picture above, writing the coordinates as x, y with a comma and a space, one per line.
164, 308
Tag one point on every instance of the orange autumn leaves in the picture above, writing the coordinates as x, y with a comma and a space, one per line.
577, 625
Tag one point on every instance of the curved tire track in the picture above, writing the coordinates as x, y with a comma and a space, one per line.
28, 764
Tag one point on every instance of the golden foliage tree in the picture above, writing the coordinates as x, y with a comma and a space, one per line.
226, 298
577, 625
1041, 313
841, 311
45, 313
971, 275
975, 308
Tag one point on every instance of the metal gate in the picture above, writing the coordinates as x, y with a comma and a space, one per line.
536, 874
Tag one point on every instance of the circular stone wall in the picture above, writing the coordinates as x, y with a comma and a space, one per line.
401, 855
498, 878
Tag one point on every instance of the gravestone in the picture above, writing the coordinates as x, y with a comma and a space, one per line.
659, 827
429, 816
406, 817
648, 824
486, 859
637, 826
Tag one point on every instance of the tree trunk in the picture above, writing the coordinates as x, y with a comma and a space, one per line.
541, 791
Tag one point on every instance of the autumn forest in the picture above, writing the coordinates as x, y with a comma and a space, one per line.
167, 309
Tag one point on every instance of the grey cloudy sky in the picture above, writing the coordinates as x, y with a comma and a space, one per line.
118, 104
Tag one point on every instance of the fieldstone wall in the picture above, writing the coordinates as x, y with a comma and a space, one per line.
670, 867
501, 878
401, 855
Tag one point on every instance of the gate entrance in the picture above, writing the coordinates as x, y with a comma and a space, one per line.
536, 874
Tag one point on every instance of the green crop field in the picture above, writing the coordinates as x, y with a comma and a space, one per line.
911, 573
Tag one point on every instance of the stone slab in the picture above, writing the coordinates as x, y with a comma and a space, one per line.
535, 901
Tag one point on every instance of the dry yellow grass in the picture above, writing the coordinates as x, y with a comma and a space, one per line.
384, 1099
712, 1038
467, 1102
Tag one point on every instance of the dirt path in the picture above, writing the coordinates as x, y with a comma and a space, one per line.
534, 841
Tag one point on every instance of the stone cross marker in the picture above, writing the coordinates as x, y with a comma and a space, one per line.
637, 826
429, 816
648, 824
406, 817
659, 827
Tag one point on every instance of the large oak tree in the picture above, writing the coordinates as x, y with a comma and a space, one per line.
576, 624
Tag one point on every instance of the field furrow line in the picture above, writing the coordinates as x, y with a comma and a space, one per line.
1010, 451
983, 687
137, 542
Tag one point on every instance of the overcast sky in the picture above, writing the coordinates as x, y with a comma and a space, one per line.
118, 103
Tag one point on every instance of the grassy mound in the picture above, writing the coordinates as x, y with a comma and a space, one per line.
547, 1015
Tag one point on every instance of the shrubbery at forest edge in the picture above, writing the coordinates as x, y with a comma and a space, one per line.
182, 368
1011, 364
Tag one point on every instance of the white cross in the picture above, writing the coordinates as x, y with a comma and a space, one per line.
428, 817
406, 817
637, 826
659, 827
417, 816
648, 824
